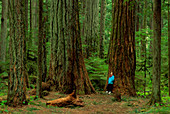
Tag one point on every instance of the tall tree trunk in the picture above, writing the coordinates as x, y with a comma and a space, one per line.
34, 11
102, 29
77, 76
54, 25
26, 39
59, 34
169, 43
137, 26
30, 33
91, 26
3, 30
40, 44
156, 93
17, 79
45, 33
122, 59
143, 44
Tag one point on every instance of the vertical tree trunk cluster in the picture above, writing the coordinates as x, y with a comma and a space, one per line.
58, 28
122, 61
91, 27
17, 77
156, 93
67, 69
102, 29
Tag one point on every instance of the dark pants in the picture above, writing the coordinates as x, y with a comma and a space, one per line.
110, 87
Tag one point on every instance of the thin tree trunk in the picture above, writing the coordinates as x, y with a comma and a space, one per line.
156, 93
137, 27
169, 43
40, 44
102, 29
3, 30
45, 33
143, 43
34, 21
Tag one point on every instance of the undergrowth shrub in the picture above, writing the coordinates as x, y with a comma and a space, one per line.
97, 70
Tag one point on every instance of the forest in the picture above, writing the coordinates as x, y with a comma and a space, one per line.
58, 56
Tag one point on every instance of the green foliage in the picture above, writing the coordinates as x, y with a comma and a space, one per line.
32, 108
160, 110
97, 70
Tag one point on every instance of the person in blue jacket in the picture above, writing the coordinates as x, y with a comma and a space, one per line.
110, 83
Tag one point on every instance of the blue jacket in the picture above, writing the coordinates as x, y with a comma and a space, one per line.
111, 79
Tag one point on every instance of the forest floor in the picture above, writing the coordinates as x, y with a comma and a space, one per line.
100, 103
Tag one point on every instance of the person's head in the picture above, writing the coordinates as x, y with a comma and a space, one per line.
111, 73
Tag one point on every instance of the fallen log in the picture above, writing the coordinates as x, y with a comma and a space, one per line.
71, 99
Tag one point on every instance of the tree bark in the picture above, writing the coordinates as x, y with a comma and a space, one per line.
17, 79
40, 44
34, 21
169, 44
77, 76
45, 34
102, 29
156, 93
3, 30
91, 27
122, 59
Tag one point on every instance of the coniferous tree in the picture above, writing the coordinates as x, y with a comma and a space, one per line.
3, 31
122, 61
40, 44
143, 44
17, 79
169, 44
77, 76
156, 93
102, 29
91, 27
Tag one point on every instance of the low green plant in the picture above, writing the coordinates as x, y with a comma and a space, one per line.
32, 108
160, 110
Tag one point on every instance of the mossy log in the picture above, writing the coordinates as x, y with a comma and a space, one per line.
71, 99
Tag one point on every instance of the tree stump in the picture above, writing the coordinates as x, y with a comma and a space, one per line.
71, 99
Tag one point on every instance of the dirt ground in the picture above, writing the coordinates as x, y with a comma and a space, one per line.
100, 103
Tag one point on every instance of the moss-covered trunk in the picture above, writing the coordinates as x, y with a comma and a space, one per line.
3, 31
102, 29
156, 93
17, 79
169, 44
